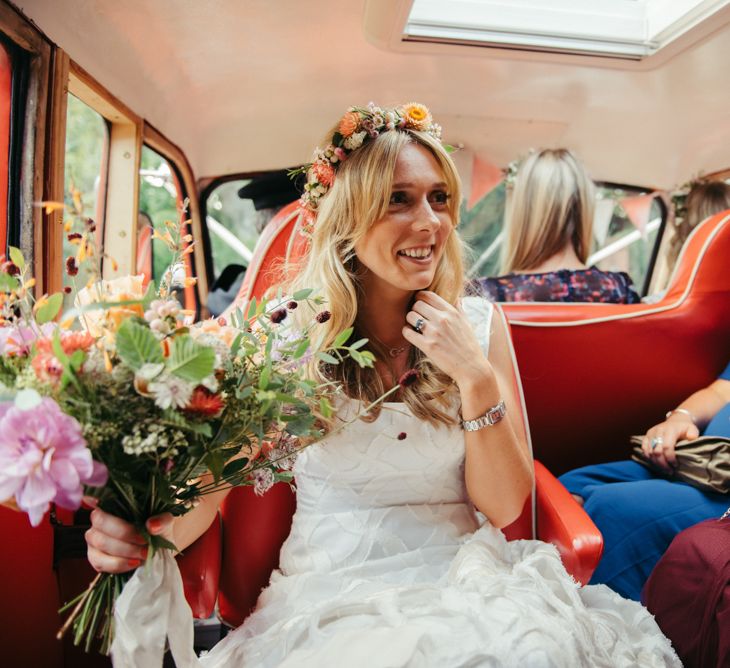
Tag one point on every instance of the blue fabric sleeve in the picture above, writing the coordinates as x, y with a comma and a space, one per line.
725, 375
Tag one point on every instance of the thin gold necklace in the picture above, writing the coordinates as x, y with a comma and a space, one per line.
395, 351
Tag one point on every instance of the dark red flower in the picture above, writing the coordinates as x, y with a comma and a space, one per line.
323, 316
278, 315
402, 436
71, 267
204, 403
408, 378
11, 268
72, 236
67, 289
291, 305
222, 321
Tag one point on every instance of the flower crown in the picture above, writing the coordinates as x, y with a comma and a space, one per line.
358, 126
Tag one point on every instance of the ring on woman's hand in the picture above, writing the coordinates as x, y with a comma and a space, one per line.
419, 325
657, 440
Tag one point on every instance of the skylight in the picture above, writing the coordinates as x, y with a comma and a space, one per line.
632, 29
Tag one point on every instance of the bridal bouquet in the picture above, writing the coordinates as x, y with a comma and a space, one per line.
125, 400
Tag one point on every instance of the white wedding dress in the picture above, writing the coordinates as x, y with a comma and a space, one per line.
387, 566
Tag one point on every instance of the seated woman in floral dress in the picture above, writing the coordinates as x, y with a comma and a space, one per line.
548, 238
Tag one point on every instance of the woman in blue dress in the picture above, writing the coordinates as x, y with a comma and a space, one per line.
639, 512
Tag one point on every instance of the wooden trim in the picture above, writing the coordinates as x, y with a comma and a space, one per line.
21, 31
125, 151
156, 140
91, 92
52, 228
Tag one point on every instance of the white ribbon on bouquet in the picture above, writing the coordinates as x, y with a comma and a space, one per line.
150, 610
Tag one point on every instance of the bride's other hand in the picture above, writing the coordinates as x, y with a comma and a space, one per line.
115, 546
447, 338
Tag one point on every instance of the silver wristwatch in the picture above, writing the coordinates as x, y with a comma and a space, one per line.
491, 417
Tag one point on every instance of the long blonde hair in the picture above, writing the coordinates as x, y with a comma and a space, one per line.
358, 198
704, 199
552, 206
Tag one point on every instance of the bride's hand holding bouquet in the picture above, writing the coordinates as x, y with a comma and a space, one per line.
129, 403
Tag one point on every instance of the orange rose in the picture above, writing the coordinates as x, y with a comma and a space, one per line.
349, 123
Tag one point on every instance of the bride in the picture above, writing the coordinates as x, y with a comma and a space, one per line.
387, 562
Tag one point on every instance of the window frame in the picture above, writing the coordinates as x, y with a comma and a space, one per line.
183, 174
29, 140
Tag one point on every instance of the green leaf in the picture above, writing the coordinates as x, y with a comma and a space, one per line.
50, 309
264, 378
251, 309
301, 294
326, 357
8, 283
302, 348
325, 408
137, 345
16, 257
234, 466
190, 360
342, 337
358, 344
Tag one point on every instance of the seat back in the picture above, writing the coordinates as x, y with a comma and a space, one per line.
593, 374
251, 555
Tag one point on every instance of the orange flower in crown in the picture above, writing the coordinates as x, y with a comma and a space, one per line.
358, 126
417, 116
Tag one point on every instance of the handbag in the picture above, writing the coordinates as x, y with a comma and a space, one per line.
703, 463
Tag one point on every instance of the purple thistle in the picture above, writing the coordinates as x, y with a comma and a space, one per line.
291, 305
323, 316
402, 436
44, 459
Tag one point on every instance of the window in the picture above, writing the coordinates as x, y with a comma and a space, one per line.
619, 244
632, 29
233, 225
159, 201
235, 214
85, 168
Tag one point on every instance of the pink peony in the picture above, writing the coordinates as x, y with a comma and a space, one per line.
44, 459
18, 339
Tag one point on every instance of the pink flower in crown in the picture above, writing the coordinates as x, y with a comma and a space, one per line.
324, 173
340, 153
44, 459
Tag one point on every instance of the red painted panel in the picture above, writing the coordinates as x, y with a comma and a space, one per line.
6, 71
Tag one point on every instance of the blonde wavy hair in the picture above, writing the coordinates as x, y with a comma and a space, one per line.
552, 206
358, 198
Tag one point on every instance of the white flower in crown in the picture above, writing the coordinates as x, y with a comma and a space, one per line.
355, 140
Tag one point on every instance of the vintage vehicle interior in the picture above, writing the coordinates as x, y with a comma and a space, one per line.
143, 106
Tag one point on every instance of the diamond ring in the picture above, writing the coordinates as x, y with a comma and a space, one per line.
657, 440
419, 325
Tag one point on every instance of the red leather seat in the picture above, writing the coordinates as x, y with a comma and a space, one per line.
251, 553
593, 374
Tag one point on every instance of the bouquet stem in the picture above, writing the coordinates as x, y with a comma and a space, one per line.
93, 612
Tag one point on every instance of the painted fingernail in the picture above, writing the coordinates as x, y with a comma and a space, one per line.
154, 524
144, 553
133, 563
